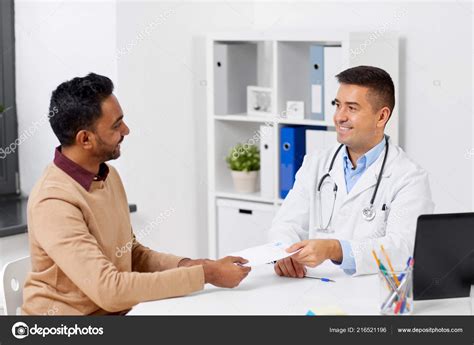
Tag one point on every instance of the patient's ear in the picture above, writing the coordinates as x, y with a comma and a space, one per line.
84, 138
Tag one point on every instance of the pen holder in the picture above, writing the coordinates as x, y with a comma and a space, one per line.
396, 292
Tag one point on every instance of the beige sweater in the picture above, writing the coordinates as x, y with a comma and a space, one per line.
74, 237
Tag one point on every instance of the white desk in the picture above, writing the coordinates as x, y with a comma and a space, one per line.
265, 293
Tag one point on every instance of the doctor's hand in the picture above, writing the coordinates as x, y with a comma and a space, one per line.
315, 252
227, 272
288, 267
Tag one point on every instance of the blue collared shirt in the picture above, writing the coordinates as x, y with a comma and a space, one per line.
352, 175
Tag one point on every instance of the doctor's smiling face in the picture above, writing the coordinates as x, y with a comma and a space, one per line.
364, 102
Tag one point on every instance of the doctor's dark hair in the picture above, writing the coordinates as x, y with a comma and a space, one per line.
380, 84
76, 105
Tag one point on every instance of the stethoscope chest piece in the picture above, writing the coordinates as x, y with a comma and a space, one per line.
368, 213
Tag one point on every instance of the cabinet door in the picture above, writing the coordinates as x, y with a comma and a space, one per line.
242, 225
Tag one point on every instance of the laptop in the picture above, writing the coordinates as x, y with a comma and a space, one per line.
444, 256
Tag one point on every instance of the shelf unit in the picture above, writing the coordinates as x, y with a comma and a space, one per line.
272, 120
282, 64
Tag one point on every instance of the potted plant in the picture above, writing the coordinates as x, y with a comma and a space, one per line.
244, 162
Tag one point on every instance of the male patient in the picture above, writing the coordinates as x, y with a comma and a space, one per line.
78, 216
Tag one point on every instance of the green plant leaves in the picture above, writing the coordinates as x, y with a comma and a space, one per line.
243, 157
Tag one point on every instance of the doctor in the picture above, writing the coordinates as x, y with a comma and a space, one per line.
363, 193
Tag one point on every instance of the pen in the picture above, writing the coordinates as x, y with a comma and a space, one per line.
403, 288
390, 265
391, 283
388, 278
401, 276
395, 293
385, 210
326, 280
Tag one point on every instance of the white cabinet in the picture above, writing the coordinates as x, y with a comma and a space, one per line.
242, 224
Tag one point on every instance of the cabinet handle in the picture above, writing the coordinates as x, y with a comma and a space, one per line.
241, 210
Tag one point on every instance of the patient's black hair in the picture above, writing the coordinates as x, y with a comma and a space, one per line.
76, 105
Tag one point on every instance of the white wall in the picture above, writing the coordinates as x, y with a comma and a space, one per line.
56, 41
162, 90
160, 82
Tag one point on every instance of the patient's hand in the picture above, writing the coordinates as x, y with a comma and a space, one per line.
227, 272
189, 262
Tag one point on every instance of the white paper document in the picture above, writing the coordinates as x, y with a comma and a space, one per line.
264, 254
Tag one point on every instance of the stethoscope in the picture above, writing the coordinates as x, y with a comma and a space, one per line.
368, 212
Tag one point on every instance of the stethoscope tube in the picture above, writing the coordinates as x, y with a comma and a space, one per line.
368, 212
329, 170
379, 178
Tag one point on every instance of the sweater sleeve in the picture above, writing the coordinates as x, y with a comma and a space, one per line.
146, 260
61, 231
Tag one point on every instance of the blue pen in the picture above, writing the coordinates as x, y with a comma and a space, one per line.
326, 280
402, 275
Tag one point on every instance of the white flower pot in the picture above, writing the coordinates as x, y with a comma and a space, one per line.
245, 181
